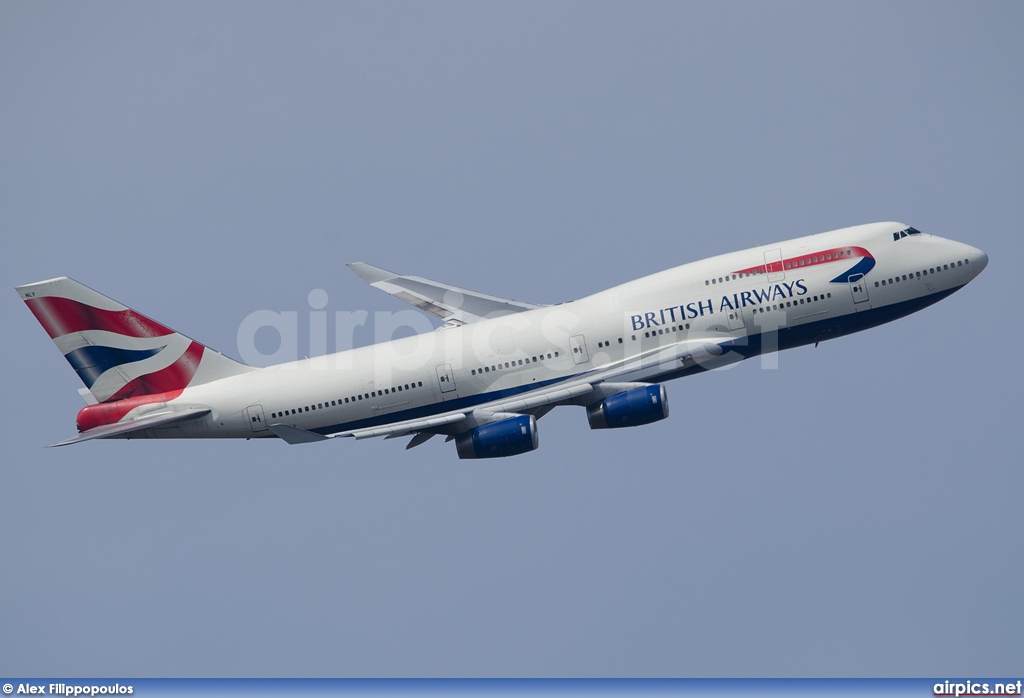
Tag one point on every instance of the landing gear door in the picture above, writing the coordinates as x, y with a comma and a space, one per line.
859, 288
445, 378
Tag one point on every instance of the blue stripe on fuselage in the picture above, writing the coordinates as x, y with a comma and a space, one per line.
436, 408
820, 330
788, 337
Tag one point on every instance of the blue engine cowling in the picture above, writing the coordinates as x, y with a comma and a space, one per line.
509, 437
631, 408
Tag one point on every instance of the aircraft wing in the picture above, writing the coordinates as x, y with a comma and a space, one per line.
583, 389
710, 352
122, 428
454, 305
532, 400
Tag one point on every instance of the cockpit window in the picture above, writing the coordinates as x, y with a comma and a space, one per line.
904, 233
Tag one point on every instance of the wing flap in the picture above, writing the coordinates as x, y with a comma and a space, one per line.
401, 428
548, 397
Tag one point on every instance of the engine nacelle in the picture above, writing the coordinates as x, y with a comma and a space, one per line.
509, 437
632, 408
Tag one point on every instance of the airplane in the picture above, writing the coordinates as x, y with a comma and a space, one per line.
495, 366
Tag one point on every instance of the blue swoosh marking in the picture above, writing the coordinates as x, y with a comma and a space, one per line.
862, 267
91, 362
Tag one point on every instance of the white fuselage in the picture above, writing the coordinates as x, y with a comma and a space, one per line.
659, 327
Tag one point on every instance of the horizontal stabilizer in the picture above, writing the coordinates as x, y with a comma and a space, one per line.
151, 421
294, 435
454, 305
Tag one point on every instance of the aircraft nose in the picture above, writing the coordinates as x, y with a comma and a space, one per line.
982, 259
979, 260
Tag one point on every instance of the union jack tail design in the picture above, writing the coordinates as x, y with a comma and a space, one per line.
117, 352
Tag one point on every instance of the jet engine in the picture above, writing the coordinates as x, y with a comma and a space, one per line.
509, 437
631, 408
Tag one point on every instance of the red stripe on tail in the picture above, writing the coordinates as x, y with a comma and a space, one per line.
61, 316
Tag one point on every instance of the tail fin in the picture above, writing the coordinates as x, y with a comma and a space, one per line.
117, 352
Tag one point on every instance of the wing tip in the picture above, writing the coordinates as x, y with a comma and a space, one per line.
369, 273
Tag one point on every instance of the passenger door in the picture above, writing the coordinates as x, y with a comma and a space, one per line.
773, 266
859, 288
578, 347
257, 420
445, 378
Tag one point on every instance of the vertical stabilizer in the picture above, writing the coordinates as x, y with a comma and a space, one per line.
117, 352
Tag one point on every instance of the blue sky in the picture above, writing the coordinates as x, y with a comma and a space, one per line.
855, 512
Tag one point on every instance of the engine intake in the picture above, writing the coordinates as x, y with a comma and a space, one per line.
509, 437
631, 408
